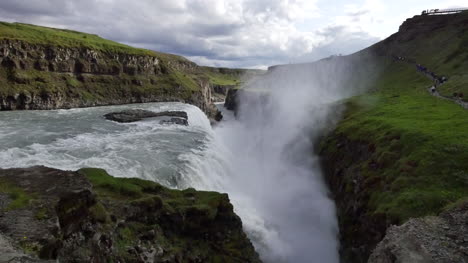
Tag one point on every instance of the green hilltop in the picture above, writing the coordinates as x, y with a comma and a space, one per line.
41, 35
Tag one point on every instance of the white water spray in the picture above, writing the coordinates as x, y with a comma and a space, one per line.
264, 160
273, 163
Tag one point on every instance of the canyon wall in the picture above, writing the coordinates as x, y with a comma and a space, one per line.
36, 76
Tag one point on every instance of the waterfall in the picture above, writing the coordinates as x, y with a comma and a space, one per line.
263, 159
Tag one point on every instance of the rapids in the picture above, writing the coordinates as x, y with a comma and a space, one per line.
178, 157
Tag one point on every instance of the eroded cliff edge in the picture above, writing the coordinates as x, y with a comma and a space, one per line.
90, 216
46, 68
35, 76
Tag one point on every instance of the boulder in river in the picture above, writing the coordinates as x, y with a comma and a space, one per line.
175, 120
132, 115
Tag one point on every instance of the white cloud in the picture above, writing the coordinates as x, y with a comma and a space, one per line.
223, 32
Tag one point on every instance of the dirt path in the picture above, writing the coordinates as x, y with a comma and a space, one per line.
436, 81
460, 102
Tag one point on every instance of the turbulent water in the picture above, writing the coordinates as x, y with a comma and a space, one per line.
174, 155
264, 160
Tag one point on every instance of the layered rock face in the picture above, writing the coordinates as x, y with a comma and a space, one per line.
49, 77
20, 55
232, 100
50, 215
360, 231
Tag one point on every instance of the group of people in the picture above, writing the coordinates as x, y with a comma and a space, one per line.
438, 79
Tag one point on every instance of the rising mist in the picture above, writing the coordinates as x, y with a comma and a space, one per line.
280, 117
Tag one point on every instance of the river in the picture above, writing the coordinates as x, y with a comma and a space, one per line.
283, 207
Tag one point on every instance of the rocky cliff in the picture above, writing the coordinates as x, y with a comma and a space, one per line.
50, 77
231, 101
49, 215
360, 228
42, 68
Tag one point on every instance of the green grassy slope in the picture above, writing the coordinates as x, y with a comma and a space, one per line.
177, 79
68, 38
420, 141
229, 76
437, 42
400, 152
34, 34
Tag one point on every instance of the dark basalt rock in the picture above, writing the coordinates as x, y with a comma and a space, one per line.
179, 121
219, 116
49, 215
132, 115
231, 102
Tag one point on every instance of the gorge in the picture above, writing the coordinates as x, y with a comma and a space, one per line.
346, 159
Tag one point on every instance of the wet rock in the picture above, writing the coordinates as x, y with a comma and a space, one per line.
219, 116
222, 89
132, 115
231, 102
179, 121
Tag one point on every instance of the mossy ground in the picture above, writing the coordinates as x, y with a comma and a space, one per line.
189, 215
19, 198
143, 191
130, 215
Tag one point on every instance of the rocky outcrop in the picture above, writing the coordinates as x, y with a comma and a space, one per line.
37, 76
133, 115
222, 89
442, 238
360, 230
219, 92
49, 215
8, 253
203, 99
232, 102
17, 54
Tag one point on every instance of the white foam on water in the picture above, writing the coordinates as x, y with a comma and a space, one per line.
173, 155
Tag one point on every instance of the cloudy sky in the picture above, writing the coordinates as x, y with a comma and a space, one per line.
231, 33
